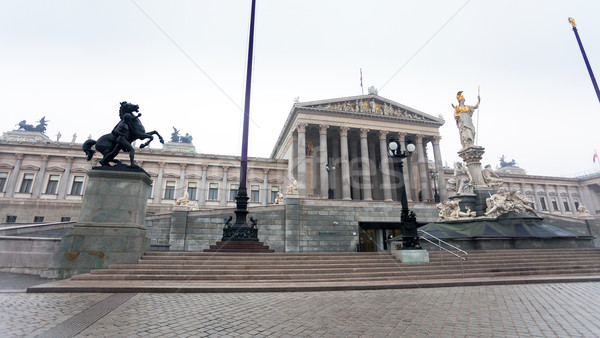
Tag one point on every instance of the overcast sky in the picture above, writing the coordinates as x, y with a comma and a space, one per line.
184, 63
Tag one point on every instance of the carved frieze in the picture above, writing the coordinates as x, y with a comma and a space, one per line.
371, 107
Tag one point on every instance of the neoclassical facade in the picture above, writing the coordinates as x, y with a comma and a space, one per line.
341, 144
334, 148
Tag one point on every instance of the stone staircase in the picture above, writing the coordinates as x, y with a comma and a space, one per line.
239, 246
330, 269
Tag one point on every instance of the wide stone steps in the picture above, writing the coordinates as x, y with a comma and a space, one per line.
343, 268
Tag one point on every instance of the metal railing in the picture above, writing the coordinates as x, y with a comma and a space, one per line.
460, 254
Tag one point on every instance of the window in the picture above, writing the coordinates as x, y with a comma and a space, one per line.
255, 193
3, 177
576, 202
192, 188
149, 192
213, 191
274, 192
543, 203
531, 204
554, 204
38, 219
170, 190
65, 219
233, 191
52, 184
27, 183
77, 187
566, 204
11, 219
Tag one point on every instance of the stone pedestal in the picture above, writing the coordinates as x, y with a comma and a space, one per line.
412, 256
292, 223
472, 157
110, 228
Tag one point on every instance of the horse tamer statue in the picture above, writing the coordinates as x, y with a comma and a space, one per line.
125, 132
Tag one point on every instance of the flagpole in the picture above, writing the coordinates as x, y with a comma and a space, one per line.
361, 85
585, 59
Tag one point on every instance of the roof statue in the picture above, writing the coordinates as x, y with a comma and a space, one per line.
176, 138
373, 90
175, 135
504, 163
125, 132
41, 127
463, 115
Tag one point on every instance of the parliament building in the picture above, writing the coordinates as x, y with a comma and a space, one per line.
334, 151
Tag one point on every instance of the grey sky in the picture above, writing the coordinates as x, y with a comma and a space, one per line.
74, 61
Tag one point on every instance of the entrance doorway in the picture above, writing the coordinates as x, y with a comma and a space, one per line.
373, 235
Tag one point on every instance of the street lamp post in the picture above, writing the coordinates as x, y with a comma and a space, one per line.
408, 219
434, 176
329, 190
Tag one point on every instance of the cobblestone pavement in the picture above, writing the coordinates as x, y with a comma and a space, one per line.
538, 310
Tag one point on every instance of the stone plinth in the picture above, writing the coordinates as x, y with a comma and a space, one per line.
472, 157
110, 228
412, 256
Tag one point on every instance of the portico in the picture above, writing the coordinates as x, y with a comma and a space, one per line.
350, 134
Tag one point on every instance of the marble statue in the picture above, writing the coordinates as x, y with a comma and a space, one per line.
58, 136
583, 211
504, 201
74, 138
463, 116
183, 201
373, 91
490, 177
460, 183
279, 198
450, 210
293, 187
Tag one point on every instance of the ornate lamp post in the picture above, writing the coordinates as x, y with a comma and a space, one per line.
330, 190
436, 196
410, 237
240, 230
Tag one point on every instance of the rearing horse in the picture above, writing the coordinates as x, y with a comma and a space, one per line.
125, 132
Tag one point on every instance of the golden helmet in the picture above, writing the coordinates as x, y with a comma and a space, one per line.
459, 96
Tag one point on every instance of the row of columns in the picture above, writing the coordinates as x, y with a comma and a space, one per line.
38, 183
548, 192
367, 162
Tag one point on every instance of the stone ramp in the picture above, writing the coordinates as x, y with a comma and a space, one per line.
277, 272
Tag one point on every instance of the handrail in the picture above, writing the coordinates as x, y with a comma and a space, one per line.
439, 244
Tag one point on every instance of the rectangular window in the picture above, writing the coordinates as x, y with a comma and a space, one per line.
554, 204
213, 191
77, 187
3, 177
543, 203
192, 188
274, 192
27, 183
566, 204
576, 202
11, 219
52, 184
150, 191
170, 190
233, 191
65, 219
38, 219
255, 193
531, 204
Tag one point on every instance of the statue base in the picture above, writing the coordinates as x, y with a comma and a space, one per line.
411, 255
110, 228
472, 157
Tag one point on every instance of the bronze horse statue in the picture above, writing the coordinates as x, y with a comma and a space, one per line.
125, 132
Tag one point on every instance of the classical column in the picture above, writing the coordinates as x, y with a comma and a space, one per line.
536, 202
559, 200
158, 183
429, 180
548, 200
406, 163
375, 184
302, 159
294, 161
39, 178
570, 200
364, 159
385, 166
264, 198
202, 199
64, 181
323, 161
354, 176
223, 188
439, 167
14, 176
179, 192
423, 172
345, 163
336, 176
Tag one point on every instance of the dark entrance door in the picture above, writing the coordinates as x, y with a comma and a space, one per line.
373, 235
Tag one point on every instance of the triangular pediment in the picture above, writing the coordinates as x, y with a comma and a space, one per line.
370, 105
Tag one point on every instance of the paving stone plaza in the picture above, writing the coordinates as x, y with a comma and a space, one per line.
534, 310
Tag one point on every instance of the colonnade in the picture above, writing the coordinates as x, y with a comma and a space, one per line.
359, 167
